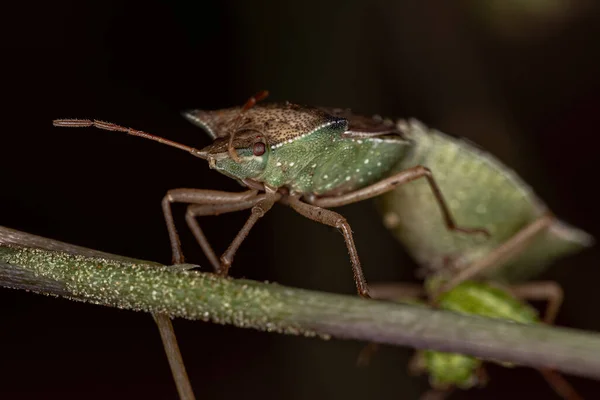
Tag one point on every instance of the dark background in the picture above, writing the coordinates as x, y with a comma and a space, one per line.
519, 78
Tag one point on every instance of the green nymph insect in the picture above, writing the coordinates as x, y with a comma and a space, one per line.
524, 235
525, 238
449, 371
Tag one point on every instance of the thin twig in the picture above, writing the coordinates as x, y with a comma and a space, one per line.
86, 275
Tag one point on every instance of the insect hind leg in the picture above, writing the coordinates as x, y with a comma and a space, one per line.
552, 293
513, 246
391, 183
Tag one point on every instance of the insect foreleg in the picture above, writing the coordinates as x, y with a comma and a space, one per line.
195, 210
258, 211
212, 203
194, 196
552, 293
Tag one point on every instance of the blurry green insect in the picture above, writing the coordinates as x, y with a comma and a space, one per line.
524, 239
449, 371
480, 191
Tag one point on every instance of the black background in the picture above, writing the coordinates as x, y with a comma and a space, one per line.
522, 82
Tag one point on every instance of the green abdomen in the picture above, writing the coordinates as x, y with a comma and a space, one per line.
473, 298
481, 193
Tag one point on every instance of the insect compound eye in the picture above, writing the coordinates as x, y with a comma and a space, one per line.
259, 148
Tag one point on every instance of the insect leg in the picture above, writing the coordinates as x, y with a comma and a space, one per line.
194, 196
195, 210
388, 291
258, 211
482, 376
163, 321
500, 254
165, 326
169, 340
559, 384
389, 184
553, 294
334, 219
542, 290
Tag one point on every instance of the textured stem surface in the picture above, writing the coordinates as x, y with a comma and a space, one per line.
50, 267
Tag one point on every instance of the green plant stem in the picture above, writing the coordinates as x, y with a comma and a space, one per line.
50, 267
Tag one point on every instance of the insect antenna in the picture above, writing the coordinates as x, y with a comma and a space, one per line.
109, 126
238, 122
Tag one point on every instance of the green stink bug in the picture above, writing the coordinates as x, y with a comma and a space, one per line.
313, 159
308, 158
